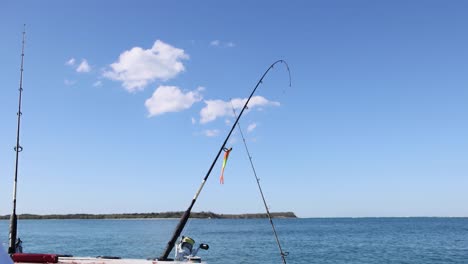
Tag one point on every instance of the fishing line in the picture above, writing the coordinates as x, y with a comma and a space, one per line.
183, 220
283, 254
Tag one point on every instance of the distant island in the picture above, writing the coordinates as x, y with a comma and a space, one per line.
165, 215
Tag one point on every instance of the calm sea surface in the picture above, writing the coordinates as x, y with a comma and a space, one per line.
331, 240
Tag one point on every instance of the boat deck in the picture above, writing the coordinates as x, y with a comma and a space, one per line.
85, 260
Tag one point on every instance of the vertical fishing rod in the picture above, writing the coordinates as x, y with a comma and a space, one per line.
282, 253
18, 149
186, 215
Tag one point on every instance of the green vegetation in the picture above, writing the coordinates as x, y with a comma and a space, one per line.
202, 215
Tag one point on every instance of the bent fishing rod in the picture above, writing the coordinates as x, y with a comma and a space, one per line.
18, 149
282, 253
186, 215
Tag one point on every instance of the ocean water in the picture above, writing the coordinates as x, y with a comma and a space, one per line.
328, 240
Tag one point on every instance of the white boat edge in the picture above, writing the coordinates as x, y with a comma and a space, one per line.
90, 260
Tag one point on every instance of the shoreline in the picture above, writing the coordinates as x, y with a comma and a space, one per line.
149, 216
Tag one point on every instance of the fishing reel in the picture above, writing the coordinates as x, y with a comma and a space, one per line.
185, 250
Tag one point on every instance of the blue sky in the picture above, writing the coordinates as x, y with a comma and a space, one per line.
126, 104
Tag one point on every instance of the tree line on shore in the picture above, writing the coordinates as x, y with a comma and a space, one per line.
201, 215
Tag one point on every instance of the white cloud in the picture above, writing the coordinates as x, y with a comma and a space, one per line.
220, 108
211, 132
69, 82
233, 140
218, 43
213, 110
251, 127
97, 84
194, 121
137, 67
70, 62
84, 66
171, 99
